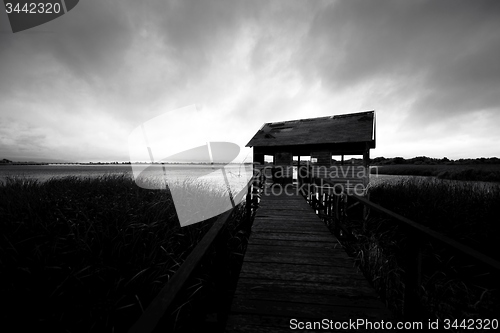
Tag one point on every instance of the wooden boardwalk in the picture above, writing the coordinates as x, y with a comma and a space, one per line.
294, 268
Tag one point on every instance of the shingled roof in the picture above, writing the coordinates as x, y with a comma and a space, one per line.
347, 128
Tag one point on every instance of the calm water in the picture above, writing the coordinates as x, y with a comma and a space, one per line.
236, 175
45, 172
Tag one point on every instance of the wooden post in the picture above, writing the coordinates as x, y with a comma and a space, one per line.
249, 200
314, 201
299, 180
258, 163
336, 211
325, 204
366, 181
366, 165
366, 213
366, 155
412, 276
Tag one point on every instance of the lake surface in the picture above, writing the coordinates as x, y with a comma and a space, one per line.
235, 175
173, 172
45, 172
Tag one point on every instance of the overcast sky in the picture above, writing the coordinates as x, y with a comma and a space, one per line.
75, 88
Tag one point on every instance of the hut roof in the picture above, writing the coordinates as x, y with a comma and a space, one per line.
346, 128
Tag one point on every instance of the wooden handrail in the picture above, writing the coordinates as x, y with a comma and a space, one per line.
441, 238
432, 234
167, 295
160, 304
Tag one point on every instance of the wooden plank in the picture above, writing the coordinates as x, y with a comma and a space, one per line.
277, 204
292, 223
290, 272
255, 256
307, 310
323, 245
269, 228
268, 270
268, 225
299, 252
292, 220
294, 237
278, 196
284, 211
309, 298
305, 287
265, 324
291, 228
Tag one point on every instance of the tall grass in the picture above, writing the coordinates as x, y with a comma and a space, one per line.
88, 254
453, 286
468, 212
479, 172
205, 304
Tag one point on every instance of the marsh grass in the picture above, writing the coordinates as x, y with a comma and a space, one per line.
467, 212
205, 303
453, 286
478, 172
88, 254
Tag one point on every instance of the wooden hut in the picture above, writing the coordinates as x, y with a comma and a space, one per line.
320, 139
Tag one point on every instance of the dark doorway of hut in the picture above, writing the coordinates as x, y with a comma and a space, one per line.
267, 168
301, 167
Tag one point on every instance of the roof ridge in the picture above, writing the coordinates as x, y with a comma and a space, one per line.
345, 115
351, 127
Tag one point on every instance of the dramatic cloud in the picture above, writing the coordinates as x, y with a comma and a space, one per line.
75, 88
446, 51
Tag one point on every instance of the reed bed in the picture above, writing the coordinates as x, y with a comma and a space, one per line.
479, 172
453, 286
89, 254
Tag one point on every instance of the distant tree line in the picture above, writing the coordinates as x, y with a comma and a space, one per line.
419, 160
6, 161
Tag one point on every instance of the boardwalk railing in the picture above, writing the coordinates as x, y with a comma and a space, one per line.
335, 207
163, 302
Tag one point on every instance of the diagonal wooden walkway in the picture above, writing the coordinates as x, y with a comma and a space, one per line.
295, 268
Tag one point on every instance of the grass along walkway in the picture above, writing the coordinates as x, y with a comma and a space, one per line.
453, 287
88, 254
479, 172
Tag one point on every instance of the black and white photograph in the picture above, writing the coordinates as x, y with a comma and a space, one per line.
249, 166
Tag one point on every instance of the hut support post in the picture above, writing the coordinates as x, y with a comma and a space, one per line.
249, 200
299, 180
